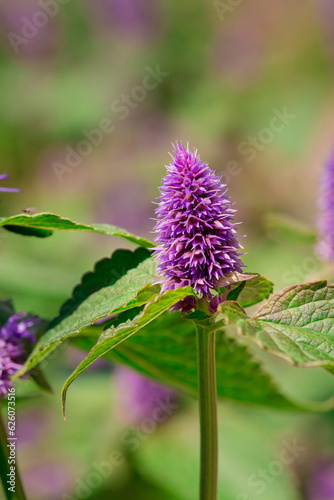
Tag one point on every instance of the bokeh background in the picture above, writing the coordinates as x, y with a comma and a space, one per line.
228, 69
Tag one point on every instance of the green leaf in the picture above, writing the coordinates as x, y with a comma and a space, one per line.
235, 291
234, 278
45, 223
197, 315
250, 292
297, 324
113, 336
254, 291
165, 350
28, 231
39, 378
120, 296
106, 272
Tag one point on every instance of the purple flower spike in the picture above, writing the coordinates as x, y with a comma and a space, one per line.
325, 246
3, 177
197, 240
19, 330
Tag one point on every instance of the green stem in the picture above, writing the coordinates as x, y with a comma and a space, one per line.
208, 410
19, 491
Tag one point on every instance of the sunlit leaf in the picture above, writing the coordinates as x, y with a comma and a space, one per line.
131, 290
44, 224
296, 323
114, 335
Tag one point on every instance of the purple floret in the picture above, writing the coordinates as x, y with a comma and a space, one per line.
320, 484
197, 238
19, 330
3, 177
141, 398
325, 247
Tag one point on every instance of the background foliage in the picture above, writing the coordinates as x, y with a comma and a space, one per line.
227, 78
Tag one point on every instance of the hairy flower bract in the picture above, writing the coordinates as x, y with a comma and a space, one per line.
196, 239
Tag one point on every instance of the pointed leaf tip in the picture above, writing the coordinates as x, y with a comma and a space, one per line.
115, 335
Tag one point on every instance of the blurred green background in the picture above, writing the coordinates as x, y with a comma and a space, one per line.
250, 86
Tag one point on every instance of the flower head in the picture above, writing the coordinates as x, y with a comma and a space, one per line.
7, 190
325, 246
139, 397
197, 239
15, 336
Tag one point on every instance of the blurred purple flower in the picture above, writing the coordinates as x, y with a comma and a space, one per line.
3, 177
325, 246
326, 13
75, 356
197, 239
238, 52
131, 19
320, 484
138, 397
30, 29
49, 479
131, 211
19, 330
33, 425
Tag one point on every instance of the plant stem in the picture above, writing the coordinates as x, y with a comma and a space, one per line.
207, 387
19, 491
